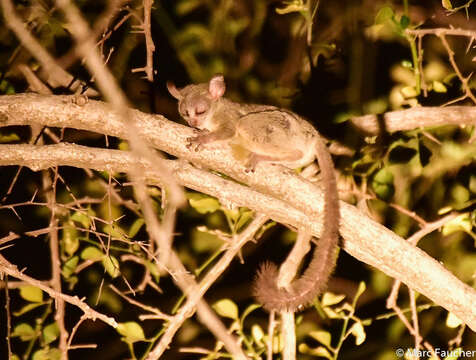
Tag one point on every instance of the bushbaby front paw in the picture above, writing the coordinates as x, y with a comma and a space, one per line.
196, 142
193, 144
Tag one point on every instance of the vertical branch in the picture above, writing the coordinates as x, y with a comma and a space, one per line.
287, 272
416, 326
149, 43
50, 187
271, 326
289, 335
416, 68
9, 319
145, 28
420, 65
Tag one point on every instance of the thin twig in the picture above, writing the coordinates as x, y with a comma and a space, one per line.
8, 316
442, 31
10, 269
159, 314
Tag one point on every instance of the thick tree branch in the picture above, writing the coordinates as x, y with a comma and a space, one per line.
415, 118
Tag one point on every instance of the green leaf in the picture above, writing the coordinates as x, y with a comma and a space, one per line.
382, 184
452, 321
292, 6
358, 331
447, 4
92, 253
9, 138
131, 331
384, 14
24, 331
345, 116
186, 6
324, 337
318, 351
465, 267
459, 223
384, 176
244, 218
248, 311
47, 354
70, 240
27, 308
329, 299
6, 88
235, 27
70, 266
409, 92
109, 299
407, 64
204, 204
460, 194
439, 87
154, 270
194, 38
135, 227
82, 218
204, 241
360, 290
226, 308
111, 264
31, 293
376, 106
456, 354
445, 210
257, 333
50, 332
123, 145
115, 231
379, 283
456, 151
404, 22
232, 214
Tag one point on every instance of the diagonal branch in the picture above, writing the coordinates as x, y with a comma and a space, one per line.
11, 270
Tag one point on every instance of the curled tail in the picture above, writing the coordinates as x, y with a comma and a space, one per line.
314, 279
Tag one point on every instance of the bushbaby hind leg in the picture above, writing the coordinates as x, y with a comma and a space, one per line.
255, 158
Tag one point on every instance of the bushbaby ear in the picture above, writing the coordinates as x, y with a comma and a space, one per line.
173, 90
216, 86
